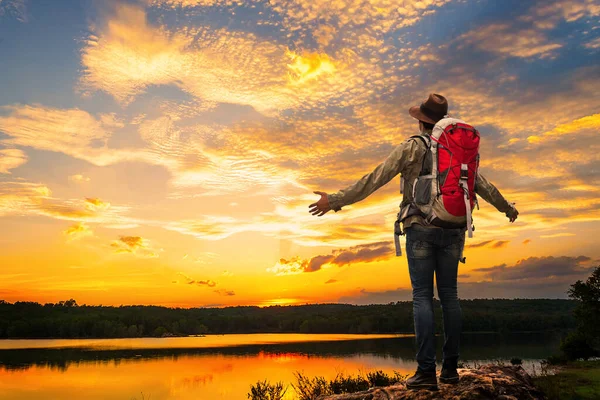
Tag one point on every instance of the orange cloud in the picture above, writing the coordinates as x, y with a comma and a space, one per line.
547, 15
224, 292
19, 197
380, 15
25, 198
292, 266
130, 55
79, 178
593, 44
509, 113
134, 245
193, 3
557, 235
95, 204
356, 254
11, 159
53, 129
590, 122
494, 244
506, 40
127, 55
534, 268
78, 231
69, 131
188, 159
324, 34
190, 281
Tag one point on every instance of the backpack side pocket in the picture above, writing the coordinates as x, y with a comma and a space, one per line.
422, 190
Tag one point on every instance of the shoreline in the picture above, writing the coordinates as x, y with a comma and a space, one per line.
393, 334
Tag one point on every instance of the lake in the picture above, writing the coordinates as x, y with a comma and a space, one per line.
218, 367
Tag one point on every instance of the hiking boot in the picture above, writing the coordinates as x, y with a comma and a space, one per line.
422, 380
449, 373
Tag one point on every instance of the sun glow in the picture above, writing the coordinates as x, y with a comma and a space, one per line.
280, 302
308, 67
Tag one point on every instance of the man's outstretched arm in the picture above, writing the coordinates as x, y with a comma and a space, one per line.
492, 195
405, 153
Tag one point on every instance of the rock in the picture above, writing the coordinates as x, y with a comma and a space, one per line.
493, 382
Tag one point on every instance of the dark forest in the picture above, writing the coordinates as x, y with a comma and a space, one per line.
67, 319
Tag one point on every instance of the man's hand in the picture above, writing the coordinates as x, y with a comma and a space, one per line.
512, 213
321, 207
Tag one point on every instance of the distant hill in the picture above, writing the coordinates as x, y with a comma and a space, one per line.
67, 319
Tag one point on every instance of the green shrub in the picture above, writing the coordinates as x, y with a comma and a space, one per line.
380, 378
576, 345
267, 391
584, 342
310, 389
348, 384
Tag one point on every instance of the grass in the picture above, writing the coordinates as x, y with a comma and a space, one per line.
579, 380
264, 390
310, 388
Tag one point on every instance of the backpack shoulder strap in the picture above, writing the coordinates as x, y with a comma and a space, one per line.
427, 143
423, 138
426, 160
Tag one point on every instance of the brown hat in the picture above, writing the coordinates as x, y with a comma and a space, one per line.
431, 110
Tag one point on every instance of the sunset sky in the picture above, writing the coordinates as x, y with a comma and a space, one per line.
166, 151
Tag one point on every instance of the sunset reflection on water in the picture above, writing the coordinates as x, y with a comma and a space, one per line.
227, 365
186, 377
207, 341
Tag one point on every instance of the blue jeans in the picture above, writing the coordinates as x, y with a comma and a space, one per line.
432, 249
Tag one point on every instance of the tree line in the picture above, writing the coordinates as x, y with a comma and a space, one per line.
584, 340
67, 319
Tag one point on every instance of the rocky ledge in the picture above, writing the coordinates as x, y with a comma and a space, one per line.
493, 382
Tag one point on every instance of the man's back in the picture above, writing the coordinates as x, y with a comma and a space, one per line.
430, 250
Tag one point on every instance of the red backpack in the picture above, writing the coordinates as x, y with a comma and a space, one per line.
444, 192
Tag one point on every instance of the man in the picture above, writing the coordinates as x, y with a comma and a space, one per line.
429, 248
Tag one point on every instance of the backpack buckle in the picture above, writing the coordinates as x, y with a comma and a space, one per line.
397, 233
464, 171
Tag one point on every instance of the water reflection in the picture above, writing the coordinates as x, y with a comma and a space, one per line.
208, 341
224, 373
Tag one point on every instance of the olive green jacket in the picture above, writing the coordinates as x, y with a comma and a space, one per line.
406, 160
